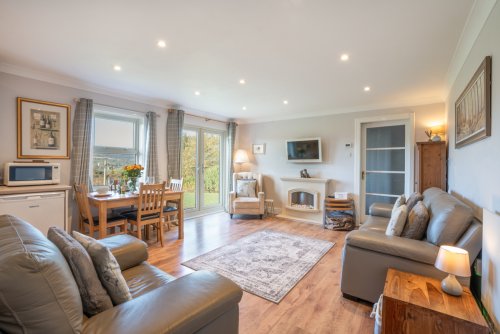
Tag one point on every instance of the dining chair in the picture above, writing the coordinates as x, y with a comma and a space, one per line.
92, 223
170, 210
149, 210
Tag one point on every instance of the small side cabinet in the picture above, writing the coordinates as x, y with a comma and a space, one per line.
430, 166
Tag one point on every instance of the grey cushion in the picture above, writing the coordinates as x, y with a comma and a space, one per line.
449, 218
107, 268
94, 298
418, 218
413, 199
246, 188
399, 201
397, 221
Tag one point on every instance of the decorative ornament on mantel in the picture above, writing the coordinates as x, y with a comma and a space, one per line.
304, 174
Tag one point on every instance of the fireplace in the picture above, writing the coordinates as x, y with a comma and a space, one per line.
302, 199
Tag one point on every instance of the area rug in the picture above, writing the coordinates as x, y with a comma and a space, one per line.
266, 263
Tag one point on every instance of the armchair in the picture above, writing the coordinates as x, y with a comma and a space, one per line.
249, 205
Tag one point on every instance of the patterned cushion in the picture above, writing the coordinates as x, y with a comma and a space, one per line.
246, 188
400, 201
417, 222
397, 221
413, 199
107, 268
94, 298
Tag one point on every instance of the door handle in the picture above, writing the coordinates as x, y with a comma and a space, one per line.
33, 206
362, 175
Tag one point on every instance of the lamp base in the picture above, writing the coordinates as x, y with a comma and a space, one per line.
451, 286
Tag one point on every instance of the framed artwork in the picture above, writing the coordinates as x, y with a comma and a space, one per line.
473, 108
259, 148
42, 129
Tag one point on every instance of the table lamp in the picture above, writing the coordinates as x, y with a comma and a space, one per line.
454, 261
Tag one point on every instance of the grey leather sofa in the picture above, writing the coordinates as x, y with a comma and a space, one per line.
38, 293
368, 252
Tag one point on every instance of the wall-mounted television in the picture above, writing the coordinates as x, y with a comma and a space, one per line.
304, 150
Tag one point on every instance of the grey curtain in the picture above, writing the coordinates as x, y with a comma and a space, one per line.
151, 165
231, 136
82, 143
175, 123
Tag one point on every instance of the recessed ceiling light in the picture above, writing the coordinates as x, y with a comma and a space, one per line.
367, 89
244, 108
344, 57
285, 101
117, 68
242, 81
197, 93
161, 44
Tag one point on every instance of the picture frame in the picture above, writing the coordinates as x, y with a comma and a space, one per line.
473, 108
42, 129
259, 148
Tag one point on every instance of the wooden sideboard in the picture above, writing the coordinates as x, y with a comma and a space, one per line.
430, 165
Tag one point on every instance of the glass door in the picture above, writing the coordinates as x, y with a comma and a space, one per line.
202, 170
385, 167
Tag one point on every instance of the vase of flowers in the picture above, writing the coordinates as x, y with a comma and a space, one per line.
132, 172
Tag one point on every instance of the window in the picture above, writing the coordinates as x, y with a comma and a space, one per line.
116, 144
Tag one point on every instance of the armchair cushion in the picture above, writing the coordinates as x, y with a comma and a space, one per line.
246, 187
246, 203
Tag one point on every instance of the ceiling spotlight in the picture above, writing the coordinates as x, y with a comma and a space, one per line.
344, 57
244, 108
285, 101
161, 44
197, 93
367, 89
117, 68
242, 81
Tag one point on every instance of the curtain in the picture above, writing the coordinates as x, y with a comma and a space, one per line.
175, 124
231, 136
151, 159
82, 143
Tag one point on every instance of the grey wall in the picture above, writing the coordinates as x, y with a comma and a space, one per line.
474, 169
334, 130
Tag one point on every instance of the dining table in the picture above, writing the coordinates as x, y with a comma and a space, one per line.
113, 200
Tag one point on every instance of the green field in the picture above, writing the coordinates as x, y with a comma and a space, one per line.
210, 199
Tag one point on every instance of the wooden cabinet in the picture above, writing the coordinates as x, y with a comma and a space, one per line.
414, 304
430, 165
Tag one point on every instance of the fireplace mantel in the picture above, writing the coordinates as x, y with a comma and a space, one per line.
304, 179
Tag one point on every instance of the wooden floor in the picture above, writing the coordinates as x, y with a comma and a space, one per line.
314, 305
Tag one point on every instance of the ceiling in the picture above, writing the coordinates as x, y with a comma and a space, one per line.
284, 49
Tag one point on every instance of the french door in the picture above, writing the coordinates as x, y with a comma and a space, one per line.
202, 170
385, 163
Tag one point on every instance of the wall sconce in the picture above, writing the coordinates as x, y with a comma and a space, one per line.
241, 157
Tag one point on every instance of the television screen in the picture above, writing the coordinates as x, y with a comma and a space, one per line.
304, 150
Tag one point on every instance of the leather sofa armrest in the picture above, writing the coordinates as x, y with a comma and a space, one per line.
416, 250
182, 306
381, 210
128, 251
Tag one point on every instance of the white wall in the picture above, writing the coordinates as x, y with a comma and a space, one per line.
334, 130
474, 169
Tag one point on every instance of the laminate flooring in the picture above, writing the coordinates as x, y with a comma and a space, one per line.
314, 305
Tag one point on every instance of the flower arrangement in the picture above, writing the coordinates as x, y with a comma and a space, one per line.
133, 171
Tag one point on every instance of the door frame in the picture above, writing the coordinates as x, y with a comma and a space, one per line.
200, 210
410, 137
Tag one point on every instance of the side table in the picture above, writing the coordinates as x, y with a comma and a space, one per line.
269, 207
416, 304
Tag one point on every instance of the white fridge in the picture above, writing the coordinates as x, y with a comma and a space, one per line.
42, 210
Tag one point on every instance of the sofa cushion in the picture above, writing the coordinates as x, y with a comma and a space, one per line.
397, 221
399, 201
418, 218
144, 278
246, 188
246, 203
449, 218
38, 291
107, 268
413, 199
94, 298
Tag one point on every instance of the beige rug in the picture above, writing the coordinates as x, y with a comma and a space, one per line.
266, 263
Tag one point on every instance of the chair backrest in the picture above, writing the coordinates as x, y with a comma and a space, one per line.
176, 184
248, 175
151, 199
82, 200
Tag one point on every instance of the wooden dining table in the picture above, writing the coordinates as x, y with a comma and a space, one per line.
112, 201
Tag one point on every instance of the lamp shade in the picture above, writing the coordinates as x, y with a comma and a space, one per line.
438, 129
453, 260
241, 157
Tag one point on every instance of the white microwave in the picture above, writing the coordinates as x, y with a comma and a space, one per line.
31, 173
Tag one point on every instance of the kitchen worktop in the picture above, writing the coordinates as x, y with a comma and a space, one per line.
4, 190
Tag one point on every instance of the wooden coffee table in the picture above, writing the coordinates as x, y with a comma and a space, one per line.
416, 304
